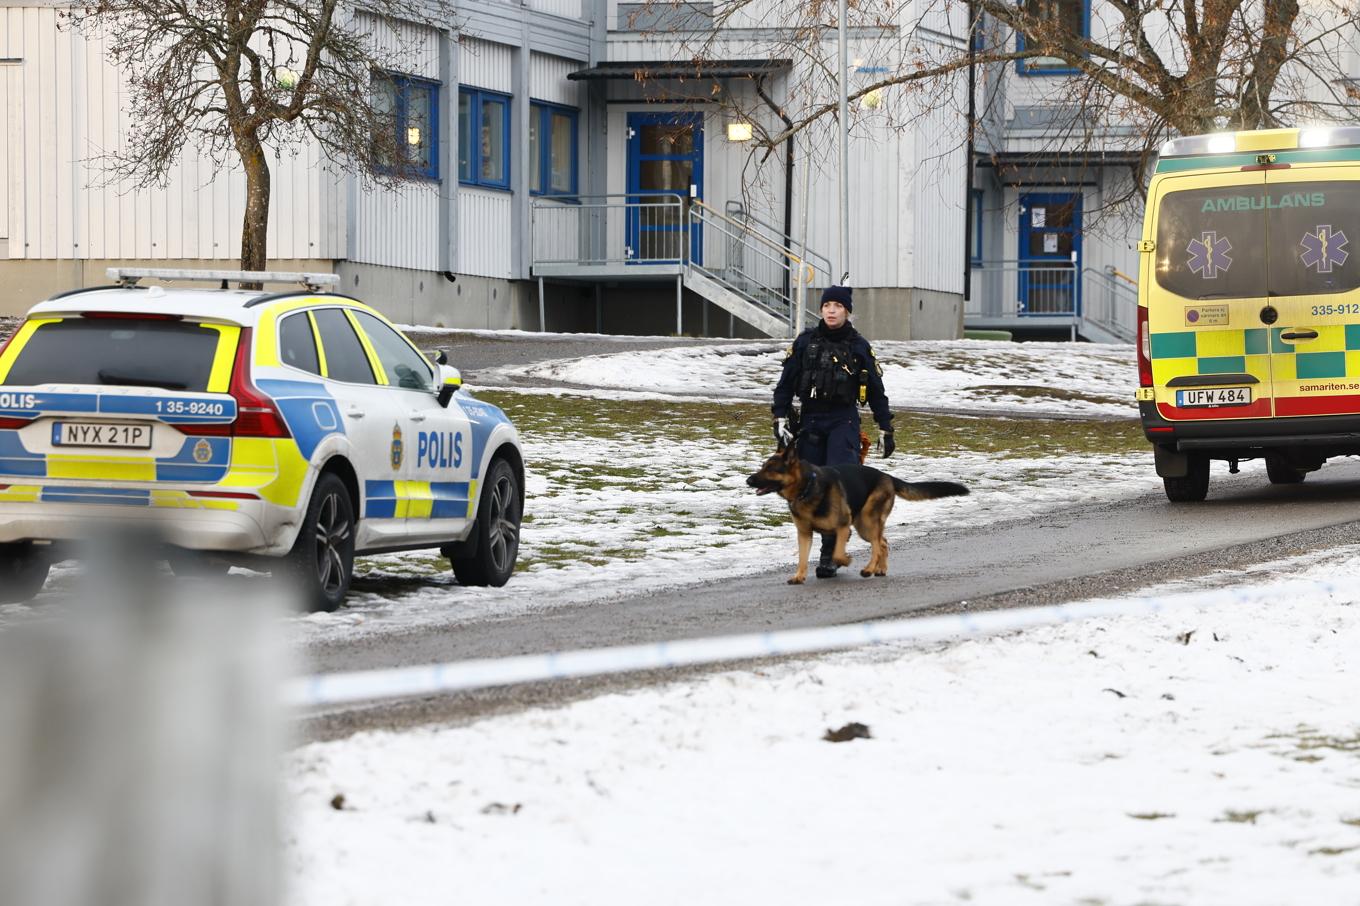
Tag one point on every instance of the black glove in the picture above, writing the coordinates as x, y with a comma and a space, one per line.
889, 445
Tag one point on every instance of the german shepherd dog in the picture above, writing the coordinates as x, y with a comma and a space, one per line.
829, 499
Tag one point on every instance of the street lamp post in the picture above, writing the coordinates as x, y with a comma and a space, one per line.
844, 181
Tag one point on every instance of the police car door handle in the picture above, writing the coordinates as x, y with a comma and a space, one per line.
354, 412
416, 416
1299, 335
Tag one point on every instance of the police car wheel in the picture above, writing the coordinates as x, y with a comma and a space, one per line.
23, 572
1192, 488
1279, 471
496, 531
321, 563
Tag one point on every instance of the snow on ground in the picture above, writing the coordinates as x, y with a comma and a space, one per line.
1196, 757
979, 375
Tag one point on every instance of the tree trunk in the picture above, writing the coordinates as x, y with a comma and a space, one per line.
255, 226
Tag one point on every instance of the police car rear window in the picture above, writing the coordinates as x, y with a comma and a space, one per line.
172, 355
1285, 239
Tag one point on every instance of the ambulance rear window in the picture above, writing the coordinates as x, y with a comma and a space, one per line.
1284, 239
172, 355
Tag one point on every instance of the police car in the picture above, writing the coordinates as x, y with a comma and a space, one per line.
1249, 304
284, 431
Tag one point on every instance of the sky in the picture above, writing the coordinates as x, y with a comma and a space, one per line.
1199, 756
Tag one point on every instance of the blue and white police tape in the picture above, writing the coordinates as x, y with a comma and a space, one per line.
431, 679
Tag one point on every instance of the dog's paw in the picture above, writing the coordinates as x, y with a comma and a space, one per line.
881, 572
841, 561
797, 580
867, 573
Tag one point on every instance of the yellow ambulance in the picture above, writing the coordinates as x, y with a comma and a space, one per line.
1249, 304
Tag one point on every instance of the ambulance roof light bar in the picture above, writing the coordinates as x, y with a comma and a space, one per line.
1288, 140
128, 276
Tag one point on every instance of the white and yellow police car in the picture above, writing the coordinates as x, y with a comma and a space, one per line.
284, 431
1249, 304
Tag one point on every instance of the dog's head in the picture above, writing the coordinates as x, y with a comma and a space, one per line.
781, 471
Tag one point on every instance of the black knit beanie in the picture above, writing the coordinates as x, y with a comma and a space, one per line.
839, 294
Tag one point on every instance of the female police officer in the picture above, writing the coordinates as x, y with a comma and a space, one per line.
832, 371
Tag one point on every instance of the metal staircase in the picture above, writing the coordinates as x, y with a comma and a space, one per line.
732, 259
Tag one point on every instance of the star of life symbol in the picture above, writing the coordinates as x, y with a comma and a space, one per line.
1324, 249
1209, 254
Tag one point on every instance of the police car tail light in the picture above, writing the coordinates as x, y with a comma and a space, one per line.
256, 414
1144, 349
12, 423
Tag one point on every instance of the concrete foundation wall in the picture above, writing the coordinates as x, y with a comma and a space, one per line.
907, 314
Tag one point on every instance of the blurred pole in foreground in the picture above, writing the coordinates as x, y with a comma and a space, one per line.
139, 742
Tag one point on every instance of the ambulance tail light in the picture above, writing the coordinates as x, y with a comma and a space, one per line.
1144, 349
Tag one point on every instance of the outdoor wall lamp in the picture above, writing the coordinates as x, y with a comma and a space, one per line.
739, 132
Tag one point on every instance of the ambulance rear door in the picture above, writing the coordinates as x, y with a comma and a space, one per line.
1313, 283
1206, 293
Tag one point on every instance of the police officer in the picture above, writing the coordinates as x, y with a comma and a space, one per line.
832, 370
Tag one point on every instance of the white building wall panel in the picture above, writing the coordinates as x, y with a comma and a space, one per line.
398, 226
484, 64
548, 80
485, 245
567, 9
408, 47
65, 108
940, 200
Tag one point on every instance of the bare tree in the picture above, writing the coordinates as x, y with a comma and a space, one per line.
238, 78
1143, 70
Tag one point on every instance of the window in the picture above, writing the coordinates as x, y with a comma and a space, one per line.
483, 138
297, 346
408, 113
975, 252
1072, 15
552, 149
405, 367
172, 355
345, 356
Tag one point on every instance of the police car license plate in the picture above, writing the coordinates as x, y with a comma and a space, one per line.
101, 434
1215, 396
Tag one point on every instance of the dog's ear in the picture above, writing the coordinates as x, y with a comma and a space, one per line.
789, 452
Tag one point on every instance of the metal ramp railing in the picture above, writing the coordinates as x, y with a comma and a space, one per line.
1109, 304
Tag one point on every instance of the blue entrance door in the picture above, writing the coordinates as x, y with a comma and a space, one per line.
665, 155
1050, 254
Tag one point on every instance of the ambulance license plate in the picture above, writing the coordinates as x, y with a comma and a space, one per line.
101, 434
1214, 396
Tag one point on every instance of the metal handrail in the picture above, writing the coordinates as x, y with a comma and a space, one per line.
783, 296
783, 250
818, 261
579, 229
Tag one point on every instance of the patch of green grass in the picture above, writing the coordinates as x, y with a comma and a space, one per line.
1332, 850
1028, 391
1151, 816
1232, 817
923, 434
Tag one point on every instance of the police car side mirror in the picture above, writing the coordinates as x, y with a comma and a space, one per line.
450, 379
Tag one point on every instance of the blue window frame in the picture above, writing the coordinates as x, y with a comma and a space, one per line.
1073, 14
553, 148
409, 108
483, 138
975, 251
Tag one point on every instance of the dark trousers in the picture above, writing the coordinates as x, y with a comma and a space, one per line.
829, 439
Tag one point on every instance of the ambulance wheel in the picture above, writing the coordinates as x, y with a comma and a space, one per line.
1194, 487
321, 563
23, 572
1279, 471
495, 534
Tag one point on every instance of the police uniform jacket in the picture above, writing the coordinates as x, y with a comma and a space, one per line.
815, 373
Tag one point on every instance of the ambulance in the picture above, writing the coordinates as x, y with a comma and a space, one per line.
1249, 304
285, 431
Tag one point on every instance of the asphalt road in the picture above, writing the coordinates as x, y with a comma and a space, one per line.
1072, 554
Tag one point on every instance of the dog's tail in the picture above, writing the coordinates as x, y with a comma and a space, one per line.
926, 490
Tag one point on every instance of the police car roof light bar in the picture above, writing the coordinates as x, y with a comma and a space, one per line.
128, 276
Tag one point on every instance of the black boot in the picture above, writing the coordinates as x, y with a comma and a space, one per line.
826, 569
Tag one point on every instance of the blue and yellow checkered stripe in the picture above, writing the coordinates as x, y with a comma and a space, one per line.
135, 497
209, 465
418, 499
1335, 353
